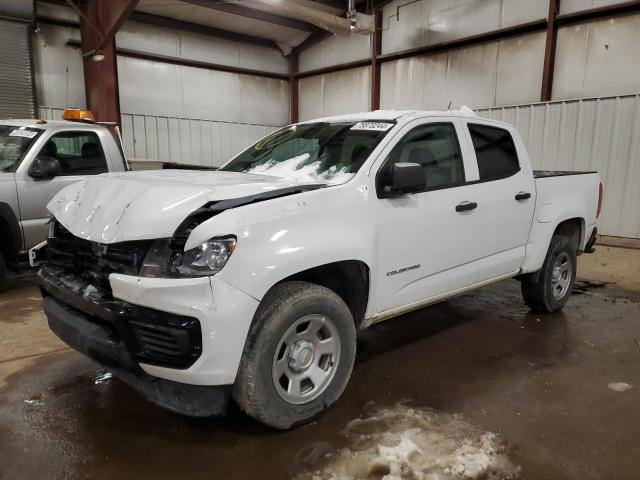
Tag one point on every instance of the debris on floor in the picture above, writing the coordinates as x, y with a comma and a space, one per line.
102, 377
405, 442
583, 286
619, 386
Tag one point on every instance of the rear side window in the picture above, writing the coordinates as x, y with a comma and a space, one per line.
79, 153
495, 151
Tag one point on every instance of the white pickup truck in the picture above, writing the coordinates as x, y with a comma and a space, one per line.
251, 282
38, 158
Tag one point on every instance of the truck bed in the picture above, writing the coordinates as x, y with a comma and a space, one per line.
557, 173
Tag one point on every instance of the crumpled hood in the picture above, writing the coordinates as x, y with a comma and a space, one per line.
146, 205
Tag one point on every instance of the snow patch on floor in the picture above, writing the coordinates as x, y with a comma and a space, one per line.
410, 443
619, 386
296, 169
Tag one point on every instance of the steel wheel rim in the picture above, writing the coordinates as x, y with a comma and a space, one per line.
306, 359
561, 276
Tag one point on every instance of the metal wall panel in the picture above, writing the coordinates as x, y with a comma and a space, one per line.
187, 140
157, 88
58, 68
335, 50
598, 58
17, 9
504, 72
427, 22
334, 93
183, 140
600, 134
570, 6
16, 84
193, 46
177, 91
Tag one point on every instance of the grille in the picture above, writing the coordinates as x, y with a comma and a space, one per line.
91, 259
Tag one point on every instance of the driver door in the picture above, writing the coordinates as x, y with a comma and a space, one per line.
426, 241
79, 154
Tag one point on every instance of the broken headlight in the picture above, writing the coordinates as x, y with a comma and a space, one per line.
206, 259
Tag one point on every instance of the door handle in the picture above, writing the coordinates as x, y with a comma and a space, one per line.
466, 206
522, 196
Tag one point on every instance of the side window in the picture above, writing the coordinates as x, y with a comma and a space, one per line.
495, 151
435, 147
79, 153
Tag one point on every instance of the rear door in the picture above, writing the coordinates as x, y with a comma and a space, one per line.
504, 190
80, 154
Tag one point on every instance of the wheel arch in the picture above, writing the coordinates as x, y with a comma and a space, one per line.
573, 227
349, 279
10, 233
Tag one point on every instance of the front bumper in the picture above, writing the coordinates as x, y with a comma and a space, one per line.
223, 314
97, 342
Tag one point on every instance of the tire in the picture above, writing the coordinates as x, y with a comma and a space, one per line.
548, 293
4, 274
280, 352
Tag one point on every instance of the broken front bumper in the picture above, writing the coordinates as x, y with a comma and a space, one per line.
167, 338
97, 342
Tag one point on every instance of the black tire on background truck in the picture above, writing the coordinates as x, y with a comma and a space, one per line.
4, 274
552, 288
298, 356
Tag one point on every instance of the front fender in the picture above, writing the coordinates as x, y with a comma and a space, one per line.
280, 237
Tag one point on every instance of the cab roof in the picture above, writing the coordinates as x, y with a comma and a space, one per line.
51, 124
464, 112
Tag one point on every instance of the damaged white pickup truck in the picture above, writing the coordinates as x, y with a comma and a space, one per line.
251, 282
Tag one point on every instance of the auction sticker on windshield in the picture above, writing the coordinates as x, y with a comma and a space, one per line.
19, 132
379, 126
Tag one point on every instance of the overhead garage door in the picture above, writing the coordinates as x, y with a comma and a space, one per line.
16, 82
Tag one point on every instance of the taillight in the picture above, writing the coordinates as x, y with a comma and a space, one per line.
599, 200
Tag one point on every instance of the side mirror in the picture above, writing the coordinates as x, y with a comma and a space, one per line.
44, 167
406, 178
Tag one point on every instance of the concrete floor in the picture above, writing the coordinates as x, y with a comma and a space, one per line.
540, 383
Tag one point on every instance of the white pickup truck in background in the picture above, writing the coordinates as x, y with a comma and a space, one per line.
38, 158
251, 282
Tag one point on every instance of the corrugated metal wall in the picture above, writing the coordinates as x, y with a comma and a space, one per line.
16, 85
181, 140
187, 140
601, 134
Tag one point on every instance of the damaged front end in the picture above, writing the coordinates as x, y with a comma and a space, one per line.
82, 311
113, 302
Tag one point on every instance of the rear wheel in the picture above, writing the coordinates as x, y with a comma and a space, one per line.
298, 355
552, 289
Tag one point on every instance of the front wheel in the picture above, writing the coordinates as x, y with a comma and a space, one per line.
555, 281
298, 355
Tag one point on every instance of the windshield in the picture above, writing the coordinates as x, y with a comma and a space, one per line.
14, 143
312, 152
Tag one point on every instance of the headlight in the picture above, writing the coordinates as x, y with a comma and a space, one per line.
206, 259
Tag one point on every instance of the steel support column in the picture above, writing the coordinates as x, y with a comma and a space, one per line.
550, 51
376, 50
99, 23
293, 88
